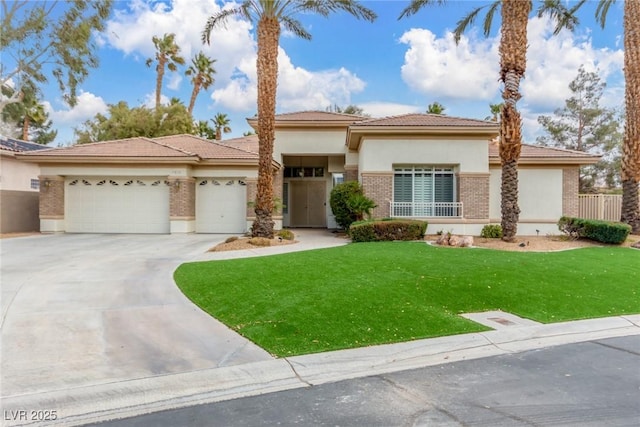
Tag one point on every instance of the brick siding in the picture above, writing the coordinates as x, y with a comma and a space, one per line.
182, 198
350, 173
51, 197
570, 189
473, 192
252, 191
379, 188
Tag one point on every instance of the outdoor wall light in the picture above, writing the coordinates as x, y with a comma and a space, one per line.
46, 184
176, 185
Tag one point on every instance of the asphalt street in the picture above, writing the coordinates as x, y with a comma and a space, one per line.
595, 383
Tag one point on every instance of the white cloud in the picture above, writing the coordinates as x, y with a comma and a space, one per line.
234, 48
382, 109
87, 107
553, 62
298, 89
438, 68
131, 32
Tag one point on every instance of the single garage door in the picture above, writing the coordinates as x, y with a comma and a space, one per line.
117, 205
221, 205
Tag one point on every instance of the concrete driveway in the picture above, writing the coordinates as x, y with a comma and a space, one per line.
80, 310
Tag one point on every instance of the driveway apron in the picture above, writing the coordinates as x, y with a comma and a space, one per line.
83, 309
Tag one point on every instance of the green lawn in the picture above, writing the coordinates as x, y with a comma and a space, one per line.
374, 293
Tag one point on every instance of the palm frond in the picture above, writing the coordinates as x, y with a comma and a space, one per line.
416, 5
602, 10
295, 27
466, 22
563, 17
488, 18
220, 19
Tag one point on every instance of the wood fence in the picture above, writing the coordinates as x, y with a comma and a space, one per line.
606, 207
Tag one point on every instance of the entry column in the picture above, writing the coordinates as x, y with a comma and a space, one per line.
182, 204
51, 204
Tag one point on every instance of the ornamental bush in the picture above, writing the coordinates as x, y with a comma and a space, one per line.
491, 231
349, 204
600, 231
377, 231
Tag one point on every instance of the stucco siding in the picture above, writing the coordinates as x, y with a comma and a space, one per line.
16, 175
309, 142
539, 193
19, 211
379, 155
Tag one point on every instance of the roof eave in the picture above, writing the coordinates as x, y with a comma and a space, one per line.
355, 134
34, 158
495, 160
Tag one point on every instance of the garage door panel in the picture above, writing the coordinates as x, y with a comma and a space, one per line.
221, 205
117, 205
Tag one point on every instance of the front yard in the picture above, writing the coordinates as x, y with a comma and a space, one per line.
375, 293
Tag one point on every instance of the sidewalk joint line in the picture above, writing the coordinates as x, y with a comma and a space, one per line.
296, 373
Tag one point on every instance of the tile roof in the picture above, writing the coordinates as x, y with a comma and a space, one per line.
317, 116
176, 147
537, 151
206, 149
19, 146
247, 143
415, 119
130, 147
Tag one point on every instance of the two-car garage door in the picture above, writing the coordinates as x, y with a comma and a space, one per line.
141, 205
117, 205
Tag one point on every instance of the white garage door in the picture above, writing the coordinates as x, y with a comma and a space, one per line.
221, 205
117, 205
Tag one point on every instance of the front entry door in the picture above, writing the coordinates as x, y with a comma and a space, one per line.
308, 204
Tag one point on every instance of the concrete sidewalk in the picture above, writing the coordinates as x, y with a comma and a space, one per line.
140, 391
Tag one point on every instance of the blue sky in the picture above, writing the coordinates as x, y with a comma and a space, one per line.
387, 67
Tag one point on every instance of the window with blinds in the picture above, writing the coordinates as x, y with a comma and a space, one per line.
417, 189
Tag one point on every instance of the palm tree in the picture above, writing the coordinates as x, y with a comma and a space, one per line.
270, 15
631, 140
513, 62
436, 108
202, 129
202, 70
221, 124
495, 112
167, 54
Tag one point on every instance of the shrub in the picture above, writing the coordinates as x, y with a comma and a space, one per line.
376, 231
349, 204
600, 231
259, 241
491, 231
286, 234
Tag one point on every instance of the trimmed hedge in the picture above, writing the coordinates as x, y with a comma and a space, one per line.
389, 230
491, 231
600, 231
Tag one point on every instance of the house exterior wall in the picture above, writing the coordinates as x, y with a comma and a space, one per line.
19, 203
182, 204
379, 188
51, 203
473, 192
309, 142
540, 197
570, 191
380, 155
16, 175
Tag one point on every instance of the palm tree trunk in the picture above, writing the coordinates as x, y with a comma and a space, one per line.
25, 128
160, 71
194, 94
218, 133
513, 62
267, 67
631, 141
